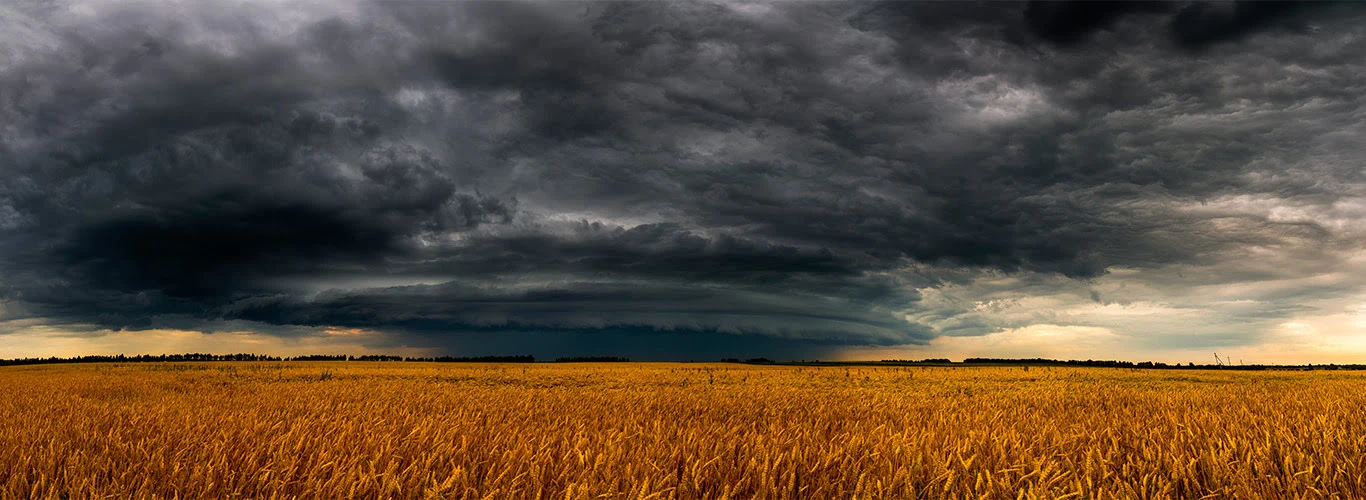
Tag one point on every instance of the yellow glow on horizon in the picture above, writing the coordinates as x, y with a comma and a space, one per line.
41, 341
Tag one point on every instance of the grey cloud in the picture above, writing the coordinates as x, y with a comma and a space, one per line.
799, 171
1202, 23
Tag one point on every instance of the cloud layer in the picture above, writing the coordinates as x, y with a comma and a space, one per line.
778, 177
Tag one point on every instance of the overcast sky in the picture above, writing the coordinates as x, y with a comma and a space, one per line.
687, 180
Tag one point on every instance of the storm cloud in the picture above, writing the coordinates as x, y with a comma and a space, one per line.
782, 177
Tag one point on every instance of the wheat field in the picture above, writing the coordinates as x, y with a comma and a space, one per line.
646, 430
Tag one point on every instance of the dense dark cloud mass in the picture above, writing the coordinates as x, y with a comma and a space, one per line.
788, 177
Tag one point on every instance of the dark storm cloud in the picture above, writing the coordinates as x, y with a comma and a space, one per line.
225, 243
797, 171
451, 307
1203, 23
1191, 26
1070, 22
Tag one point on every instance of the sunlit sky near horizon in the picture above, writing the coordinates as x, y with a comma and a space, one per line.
685, 180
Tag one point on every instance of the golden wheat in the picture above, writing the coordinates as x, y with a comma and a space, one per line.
414, 430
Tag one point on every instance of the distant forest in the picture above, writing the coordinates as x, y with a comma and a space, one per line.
592, 359
527, 358
147, 358
1044, 362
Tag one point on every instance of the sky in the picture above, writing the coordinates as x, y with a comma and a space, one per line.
684, 180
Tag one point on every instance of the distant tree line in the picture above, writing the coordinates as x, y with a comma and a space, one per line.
1152, 365
439, 359
751, 361
320, 357
142, 358
149, 358
1090, 362
526, 358
164, 358
926, 361
1051, 362
375, 357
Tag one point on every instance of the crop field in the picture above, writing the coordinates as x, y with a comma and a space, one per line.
646, 430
